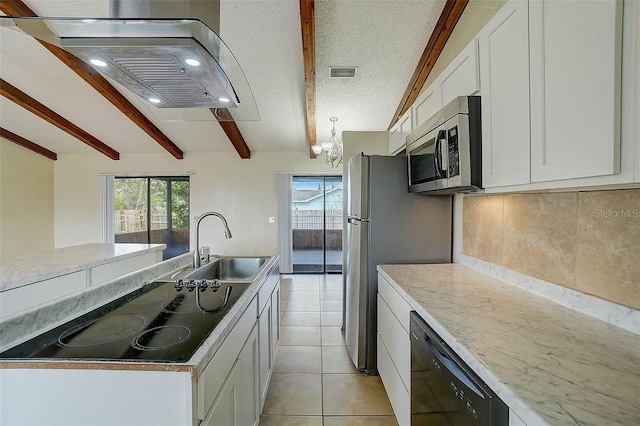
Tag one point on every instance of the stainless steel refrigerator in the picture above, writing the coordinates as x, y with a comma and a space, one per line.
385, 224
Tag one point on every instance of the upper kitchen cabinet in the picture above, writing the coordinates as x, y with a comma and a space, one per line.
398, 133
427, 104
460, 78
504, 72
575, 66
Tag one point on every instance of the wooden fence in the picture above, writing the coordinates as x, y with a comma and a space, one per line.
316, 219
127, 221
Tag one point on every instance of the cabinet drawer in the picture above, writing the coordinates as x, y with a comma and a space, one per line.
398, 306
396, 340
264, 294
398, 395
214, 374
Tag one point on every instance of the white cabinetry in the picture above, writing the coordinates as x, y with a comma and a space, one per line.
215, 375
394, 349
427, 104
268, 331
237, 402
461, 77
575, 88
399, 132
568, 118
504, 72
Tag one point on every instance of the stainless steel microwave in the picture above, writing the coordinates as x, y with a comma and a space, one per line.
445, 152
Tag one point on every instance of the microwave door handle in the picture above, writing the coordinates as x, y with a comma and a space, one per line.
444, 154
437, 157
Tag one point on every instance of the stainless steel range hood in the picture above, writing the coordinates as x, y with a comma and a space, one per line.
164, 51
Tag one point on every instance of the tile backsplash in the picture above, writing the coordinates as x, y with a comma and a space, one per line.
586, 241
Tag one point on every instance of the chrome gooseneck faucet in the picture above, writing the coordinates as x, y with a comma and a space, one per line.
227, 234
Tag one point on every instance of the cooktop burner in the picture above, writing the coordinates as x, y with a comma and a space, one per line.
161, 337
154, 323
101, 331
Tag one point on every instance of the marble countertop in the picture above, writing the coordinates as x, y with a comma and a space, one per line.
194, 365
548, 363
21, 270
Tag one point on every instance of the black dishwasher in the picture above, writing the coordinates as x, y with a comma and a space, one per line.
444, 390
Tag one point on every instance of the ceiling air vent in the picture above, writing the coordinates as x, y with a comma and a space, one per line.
343, 72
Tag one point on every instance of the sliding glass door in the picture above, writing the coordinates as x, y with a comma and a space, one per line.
316, 224
153, 211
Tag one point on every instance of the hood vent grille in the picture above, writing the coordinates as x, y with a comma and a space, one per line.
167, 77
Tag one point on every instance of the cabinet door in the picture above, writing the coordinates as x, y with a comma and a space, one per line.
426, 105
394, 138
403, 128
275, 323
575, 88
461, 77
264, 337
247, 410
237, 402
504, 73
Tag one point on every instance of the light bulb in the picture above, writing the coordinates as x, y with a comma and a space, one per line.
98, 62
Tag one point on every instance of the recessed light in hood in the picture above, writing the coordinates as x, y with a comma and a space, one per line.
154, 58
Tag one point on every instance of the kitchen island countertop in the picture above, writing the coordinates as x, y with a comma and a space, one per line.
548, 363
20, 270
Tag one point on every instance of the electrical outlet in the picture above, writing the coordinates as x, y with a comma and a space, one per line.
272, 219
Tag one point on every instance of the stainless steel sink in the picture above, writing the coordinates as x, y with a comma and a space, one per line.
229, 269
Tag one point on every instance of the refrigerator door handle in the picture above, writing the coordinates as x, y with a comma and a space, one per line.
355, 220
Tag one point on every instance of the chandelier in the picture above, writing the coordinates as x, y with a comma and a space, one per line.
332, 148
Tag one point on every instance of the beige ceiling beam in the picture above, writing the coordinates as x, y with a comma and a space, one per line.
27, 102
97, 81
307, 21
444, 27
26, 143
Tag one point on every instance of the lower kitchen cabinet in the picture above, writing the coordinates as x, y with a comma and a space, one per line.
268, 334
237, 402
394, 349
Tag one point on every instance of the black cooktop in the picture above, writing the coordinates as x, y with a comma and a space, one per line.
154, 323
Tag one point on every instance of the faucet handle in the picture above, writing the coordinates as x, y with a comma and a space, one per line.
214, 284
191, 285
178, 285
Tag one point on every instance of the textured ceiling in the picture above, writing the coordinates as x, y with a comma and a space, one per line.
384, 39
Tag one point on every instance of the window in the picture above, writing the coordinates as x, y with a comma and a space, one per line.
152, 210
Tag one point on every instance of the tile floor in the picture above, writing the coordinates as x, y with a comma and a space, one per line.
314, 382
